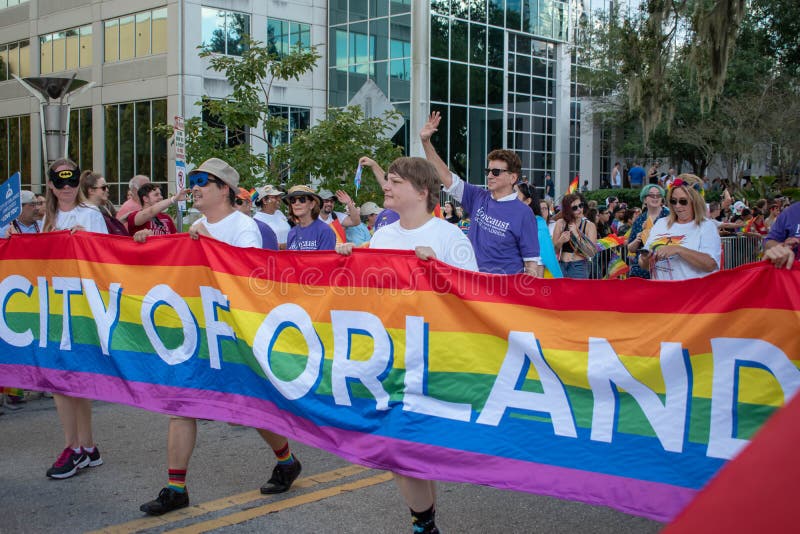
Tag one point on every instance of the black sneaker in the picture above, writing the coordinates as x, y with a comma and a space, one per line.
167, 501
94, 457
282, 478
68, 464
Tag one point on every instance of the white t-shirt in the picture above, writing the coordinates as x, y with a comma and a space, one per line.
329, 221
87, 216
236, 229
703, 238
447, 241
277, 221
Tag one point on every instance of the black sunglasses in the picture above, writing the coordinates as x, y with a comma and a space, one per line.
577, 207
495, 172
301, 200
681, 201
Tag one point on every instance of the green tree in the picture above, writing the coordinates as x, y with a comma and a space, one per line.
329, 151
251, 77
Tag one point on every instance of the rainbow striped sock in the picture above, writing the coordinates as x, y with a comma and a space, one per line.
284, 455
177, 480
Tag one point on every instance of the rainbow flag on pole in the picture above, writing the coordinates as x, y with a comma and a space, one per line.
573, 185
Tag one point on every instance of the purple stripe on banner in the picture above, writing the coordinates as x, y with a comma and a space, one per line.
653, 500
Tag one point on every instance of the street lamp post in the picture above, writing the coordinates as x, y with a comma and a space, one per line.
54, 96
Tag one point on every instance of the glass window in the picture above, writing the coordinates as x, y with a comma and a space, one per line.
85, 53
277, 38
73, 48
112, 42
358, 9
496, 13
13, 58
495, 88
80, 137
338, 12
111, 134
439, 81
477, 86
440, 37
126, 148
458, 140
14, 143
59, 51
5, 170
143, 34
477, 144
237, 26
142, 129
458, 83
159, 172
459, 30
340, 54
213, 29
159, 30
400, 76
381, 77
127, 31
477, 44
378, 8
379, 38
4, 63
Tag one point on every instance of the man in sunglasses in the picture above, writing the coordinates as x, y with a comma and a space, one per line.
151, 219
214, 187
26, 222
502, 229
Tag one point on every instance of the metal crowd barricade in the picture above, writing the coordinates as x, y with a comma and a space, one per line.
599, 264
741, 249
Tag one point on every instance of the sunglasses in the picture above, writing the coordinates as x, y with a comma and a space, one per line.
654, 195
201, 179
577, 207
681, 201
103, 187
301, 200
495, 172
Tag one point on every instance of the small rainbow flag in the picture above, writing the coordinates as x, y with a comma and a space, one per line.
616, 267
573, 185
610, 241
253, 195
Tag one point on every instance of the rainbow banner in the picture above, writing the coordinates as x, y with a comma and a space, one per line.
630, 394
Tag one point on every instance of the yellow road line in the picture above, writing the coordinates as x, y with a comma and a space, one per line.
225, 502
252, 513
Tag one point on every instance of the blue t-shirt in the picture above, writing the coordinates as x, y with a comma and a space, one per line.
385, 218
358, 235
636, 176
315, 236
786, 225
502, 232
269, 240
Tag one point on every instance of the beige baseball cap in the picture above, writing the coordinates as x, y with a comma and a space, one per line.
221, 170
268, 191
370, 208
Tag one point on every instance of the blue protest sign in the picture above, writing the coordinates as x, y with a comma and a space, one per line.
9, 199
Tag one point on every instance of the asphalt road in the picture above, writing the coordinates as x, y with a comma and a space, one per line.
229, 465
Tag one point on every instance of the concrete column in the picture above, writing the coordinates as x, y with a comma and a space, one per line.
420, 73
561, 149
589, 146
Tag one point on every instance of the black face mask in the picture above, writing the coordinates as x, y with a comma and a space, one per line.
65, 177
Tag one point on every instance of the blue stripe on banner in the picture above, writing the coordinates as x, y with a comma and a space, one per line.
634, 456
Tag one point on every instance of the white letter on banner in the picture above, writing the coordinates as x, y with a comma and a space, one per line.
44, 310
66, 285
212, 299
285, 316
522, 347
105, 318
728, 354
346, 323
414, 398
160, 295
668, 419
14, 284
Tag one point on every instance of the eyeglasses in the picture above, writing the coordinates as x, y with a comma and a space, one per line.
495, 172
681, 201
201, 179
103, 187
577, 207
301, 200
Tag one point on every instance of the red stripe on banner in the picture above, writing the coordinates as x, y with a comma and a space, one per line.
338, 229
756, 285
755, 492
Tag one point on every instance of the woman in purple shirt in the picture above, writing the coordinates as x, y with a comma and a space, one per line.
308, 232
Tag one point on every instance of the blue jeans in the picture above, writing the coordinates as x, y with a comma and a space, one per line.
575, 269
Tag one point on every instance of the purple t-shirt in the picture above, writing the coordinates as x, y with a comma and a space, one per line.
269, 240
385, 218
786, 225
502, 233
315, 236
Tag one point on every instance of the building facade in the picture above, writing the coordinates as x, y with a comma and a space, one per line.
500, 71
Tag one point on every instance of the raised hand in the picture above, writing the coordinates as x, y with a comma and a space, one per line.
430, 127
